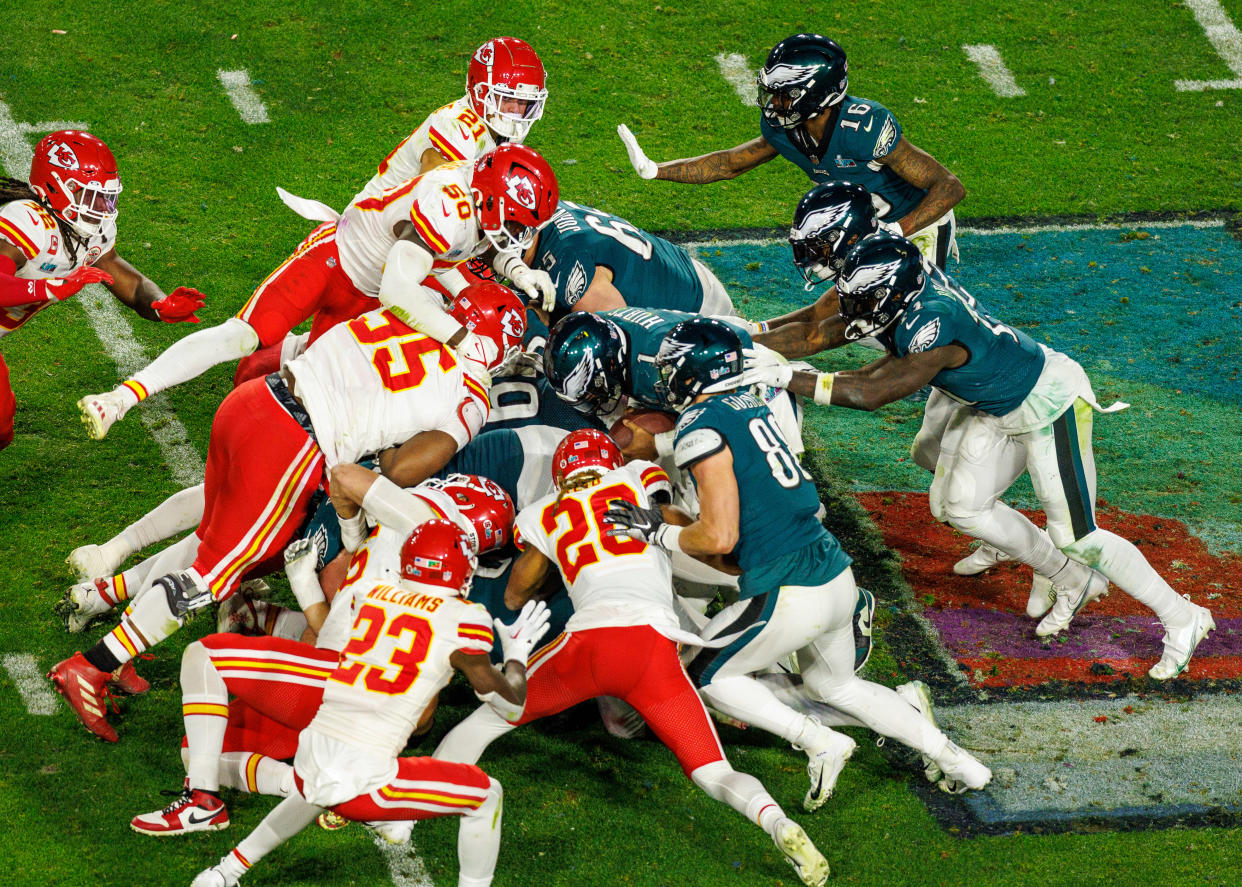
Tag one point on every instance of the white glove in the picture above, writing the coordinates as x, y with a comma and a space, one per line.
537, 285
301, 561
643, 165
477, 353
892, 228
519, 639
763, 366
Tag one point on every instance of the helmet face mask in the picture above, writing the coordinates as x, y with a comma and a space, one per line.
506, 85
586, 364
75, 174
880, 276
829, 220
586, 448
699, 356
515, 192
803, 75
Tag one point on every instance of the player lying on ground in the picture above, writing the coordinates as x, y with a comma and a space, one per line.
1030, 411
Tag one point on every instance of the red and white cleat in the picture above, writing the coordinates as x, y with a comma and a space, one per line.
193, 811
127, 680
85, 688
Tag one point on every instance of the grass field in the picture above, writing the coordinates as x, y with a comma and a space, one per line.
1102, 131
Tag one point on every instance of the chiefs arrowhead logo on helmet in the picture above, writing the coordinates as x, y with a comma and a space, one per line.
60, 154
484, 54
513, 324
521, 189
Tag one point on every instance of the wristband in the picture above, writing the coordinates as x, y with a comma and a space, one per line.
823, 389
668, 537
308, 591
506, 262
761, 326
353, 530
664, 443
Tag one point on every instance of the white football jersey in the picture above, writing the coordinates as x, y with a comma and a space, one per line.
439, 205
373, 383
33, 230
454, 130
612, 581
396, 662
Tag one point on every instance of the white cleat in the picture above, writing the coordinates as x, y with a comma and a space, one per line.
213, 877
395, 831
1180, 642
962, 770
985, 557
917, 694
1042, 596
827, 760
81, 605
1069, 601
620, 718
90, 562
807, 861
100, 411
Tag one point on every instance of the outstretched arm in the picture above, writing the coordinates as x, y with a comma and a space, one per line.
808, 330
140, 293
881, 382
916, 166
714, 167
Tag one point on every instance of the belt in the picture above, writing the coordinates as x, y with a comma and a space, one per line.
286, 399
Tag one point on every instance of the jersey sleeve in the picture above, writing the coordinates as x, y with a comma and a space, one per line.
443, 215
27, 226
877, 131
922, 328
528, 530
457, 132
654, 480
696, 438
474, 631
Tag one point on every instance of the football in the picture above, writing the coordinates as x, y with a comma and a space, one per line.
654, 421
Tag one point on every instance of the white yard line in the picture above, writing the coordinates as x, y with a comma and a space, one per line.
243, 96
404, 864
26, 675
993, 70
733, 68
1225, 38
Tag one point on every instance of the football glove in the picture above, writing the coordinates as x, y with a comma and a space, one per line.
179, 305
301, 558
519, 639
763, 366
643, 165
634, 521
61, 288
537, 285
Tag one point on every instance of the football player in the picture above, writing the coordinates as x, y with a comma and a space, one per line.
796, 589
58, 234
371, 385
599, 261
810, 121
622, 639
347, 758
1032, 411
378, 254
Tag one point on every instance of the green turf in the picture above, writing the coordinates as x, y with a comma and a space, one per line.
1101, 131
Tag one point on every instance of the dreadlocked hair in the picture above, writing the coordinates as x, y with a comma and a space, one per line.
16, 189
580, 481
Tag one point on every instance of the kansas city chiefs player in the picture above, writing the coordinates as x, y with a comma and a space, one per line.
58, 234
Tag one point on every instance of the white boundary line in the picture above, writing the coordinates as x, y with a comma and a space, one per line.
993, 70
404, 864
1225, 38
30, 683
242, 95
733, 68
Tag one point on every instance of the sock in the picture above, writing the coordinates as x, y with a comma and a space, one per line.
1124, 564
478, 839
466, 742
178, 556
191, 356
256, 774
181, 511
741, 791
205, 711
147, 622
281, 622
748, 700
791, 693
287, 818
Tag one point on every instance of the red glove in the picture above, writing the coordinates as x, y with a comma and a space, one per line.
61, 288
179, 305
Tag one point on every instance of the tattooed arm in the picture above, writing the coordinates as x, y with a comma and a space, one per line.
718, 165
916, 166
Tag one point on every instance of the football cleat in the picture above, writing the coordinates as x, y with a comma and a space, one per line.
194, 810
241, 615
827, 757
85, 688
807, 861
91, 562
331, 821
962, 770
1069, 601
396, 831
82, 604
226, 873
864, 618
982, 558
1180, 643
100, 411
917, 694
1042, 596
127, 680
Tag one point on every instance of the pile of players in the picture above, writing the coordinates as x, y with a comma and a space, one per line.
379, 458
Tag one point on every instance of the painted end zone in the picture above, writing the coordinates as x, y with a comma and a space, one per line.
981, 620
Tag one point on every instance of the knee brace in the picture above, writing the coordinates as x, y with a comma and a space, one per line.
183, 594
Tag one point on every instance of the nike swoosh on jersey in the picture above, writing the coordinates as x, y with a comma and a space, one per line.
867, 128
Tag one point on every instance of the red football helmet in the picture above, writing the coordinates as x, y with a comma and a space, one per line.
505, 83
496, 315
439, 553
515, 191
584, 448
76, 174
484, 503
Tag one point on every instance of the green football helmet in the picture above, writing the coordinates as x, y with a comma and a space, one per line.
878, 279
829, 220
586, 362
699, 356
803, 75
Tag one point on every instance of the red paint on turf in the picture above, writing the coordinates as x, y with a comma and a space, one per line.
996, 644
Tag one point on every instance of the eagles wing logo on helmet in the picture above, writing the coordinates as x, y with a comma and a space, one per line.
867, 276
817, 221
925, 338
60, 154
672, 351
576, 286
575, 385
484, 54
521, 189
780, 76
